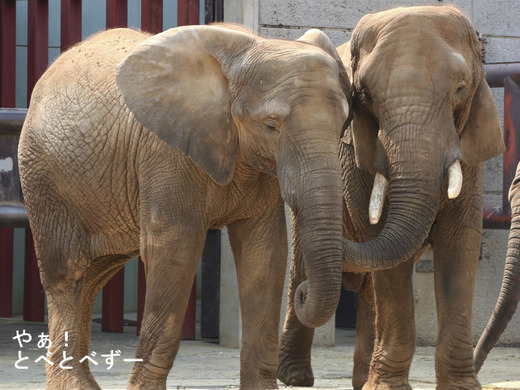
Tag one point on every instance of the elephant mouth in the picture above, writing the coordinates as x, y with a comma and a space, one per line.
381, 185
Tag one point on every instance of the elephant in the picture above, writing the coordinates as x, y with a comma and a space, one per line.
510, 289
137, 145
412, 169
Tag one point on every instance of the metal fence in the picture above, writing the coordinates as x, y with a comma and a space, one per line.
12, 212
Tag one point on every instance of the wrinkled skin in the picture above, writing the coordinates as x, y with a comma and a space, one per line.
420, 103
510, 290
138, 145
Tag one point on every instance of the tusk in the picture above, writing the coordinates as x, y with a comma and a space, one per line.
455, 180
377, 199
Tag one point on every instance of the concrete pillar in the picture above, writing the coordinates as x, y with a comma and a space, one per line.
230, 321
243, 12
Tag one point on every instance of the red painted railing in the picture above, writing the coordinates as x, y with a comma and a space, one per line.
507, 76
70, 23
38, 40
8, 52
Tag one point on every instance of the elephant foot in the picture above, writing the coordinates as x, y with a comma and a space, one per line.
295, 373
465, 384
374, 383
246, 384
71, 380
360, 373
146, 375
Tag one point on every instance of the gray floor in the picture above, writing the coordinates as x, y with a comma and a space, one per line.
205, 365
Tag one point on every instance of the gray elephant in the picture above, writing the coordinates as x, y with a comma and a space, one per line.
424, 122
137, 144
510, 290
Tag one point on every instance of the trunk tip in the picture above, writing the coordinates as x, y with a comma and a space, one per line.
307, 312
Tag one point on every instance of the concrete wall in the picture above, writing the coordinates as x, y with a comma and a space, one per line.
498, 22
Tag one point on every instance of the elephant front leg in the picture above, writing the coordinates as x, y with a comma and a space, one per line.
171, 258
395, 329
456, 257
365, 333
294, 359
260, 249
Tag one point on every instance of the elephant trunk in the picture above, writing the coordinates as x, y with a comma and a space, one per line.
410, 216
316, 202
415, 184
509, 293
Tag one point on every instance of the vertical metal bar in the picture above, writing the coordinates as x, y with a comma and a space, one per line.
219, 11
38, 42
33, 298
70, 23
188, 326
152, 16
8, 52
113, 307
141, 294
6, 272
37, 60
7, 99
182, 12
210, 294
213, 11
117, 13
187, 12
113, 292
511, 135
209, 11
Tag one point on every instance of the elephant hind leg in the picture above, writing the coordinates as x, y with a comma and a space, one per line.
365, 334
70, 305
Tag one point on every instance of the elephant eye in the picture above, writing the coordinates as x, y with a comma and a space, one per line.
365, 95
272, 125
461, 86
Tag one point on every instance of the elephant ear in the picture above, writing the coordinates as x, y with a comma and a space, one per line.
319, 39
345, 57
365, 127
481, 138
175, 86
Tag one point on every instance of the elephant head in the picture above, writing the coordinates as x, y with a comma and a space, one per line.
422, 108
228, 98
510, 290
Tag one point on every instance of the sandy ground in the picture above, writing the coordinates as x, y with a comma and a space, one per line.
206, 365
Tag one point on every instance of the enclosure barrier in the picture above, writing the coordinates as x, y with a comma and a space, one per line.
506, 75
12, 211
